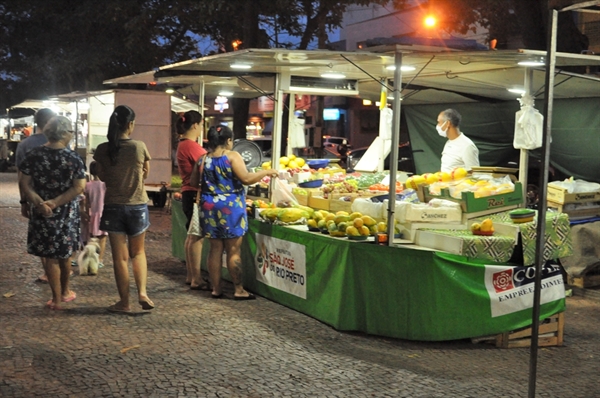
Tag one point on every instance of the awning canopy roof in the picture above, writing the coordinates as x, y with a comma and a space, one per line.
439, 75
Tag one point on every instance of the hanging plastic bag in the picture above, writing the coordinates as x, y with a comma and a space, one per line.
529, 125
282, 194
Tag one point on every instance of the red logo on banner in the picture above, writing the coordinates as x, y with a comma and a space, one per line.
503, 281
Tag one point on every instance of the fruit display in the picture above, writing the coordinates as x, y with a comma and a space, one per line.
287, 215
480, 187
379, 187
346, 186
364, 181
486, 227
413, 182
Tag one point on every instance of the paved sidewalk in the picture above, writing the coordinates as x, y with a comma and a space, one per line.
195, 346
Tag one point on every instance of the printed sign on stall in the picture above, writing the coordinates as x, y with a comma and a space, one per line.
511, 288
281, 264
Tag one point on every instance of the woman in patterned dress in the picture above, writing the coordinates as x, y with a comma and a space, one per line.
53, 176
223, 207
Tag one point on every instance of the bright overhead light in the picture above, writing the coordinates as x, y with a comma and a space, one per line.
516, 90
240, 66
169, 91
403, 68
225, 93
333, 75
531, 62
367, 102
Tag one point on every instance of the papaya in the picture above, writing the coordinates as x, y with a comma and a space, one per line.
337, 233
381, 227
355, 215
373, 229
307, 209
332, 227
364, 230
352, 231
312, 223
341, 218
291, 214
342, 226
358, 222
342, 213
317, 215
329, 217
368, 220
322, 224
269, 214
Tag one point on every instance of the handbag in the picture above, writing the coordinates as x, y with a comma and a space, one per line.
194, 228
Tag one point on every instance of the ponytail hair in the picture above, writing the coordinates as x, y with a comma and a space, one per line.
218, 136
185, 122
118, 124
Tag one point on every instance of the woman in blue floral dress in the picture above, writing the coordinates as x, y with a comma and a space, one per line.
223, 207
53, 176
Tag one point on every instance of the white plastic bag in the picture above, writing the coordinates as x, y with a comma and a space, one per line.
282, 194
529, 124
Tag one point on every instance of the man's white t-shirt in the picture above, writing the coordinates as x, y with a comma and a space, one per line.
459, 152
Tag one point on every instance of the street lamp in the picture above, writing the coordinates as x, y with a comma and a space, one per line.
429, 21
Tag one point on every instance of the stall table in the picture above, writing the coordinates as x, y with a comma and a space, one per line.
403, 292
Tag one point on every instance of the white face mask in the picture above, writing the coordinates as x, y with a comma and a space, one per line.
441, 131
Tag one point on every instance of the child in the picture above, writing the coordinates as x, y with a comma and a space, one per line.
94, 200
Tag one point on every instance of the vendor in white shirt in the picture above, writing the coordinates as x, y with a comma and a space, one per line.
459, 150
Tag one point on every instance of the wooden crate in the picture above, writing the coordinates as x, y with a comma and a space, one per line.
550, 334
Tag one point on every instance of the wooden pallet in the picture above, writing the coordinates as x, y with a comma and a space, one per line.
550, 334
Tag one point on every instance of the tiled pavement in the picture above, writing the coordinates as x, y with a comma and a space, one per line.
194, 346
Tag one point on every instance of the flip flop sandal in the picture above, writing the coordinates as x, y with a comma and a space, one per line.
206, 287
250, 296
70, 298
113, 308
146, 305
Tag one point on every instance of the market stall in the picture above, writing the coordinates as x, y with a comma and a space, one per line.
403, 291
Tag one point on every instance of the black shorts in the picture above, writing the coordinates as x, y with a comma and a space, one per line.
188, 198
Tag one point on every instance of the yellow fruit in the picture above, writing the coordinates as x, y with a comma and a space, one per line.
458, 173
300, 162
364, 231
475, 226
368, 220
292, 164
341, 218
284, 160
352, 231
312, 223
358, 222
409, 183
355, 215
322, 224
430, 178
329, 217
317, 216
373, 230
487, 225
381, 227
292, 157
418, 180
291, 214
266, 165
445, 176
341, 213
338, 234
332, 227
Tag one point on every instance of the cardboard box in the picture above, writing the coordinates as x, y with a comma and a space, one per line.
576, 212
471, 204
303, 194
340, 205
561, 196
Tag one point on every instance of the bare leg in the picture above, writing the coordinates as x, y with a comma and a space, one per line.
234, 265
120, 255
53, 272
215, 256
140, 266
65, 273
43, 277
193, 251
102, 244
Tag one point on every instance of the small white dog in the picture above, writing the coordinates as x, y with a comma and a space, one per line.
89, 258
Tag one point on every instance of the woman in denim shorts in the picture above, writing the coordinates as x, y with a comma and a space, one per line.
123, 164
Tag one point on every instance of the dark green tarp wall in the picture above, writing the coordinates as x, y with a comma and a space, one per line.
575, 149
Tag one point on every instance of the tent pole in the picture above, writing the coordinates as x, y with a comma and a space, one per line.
542, 205
291, 111
524, 154
395, 141
201, 110
276, 133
